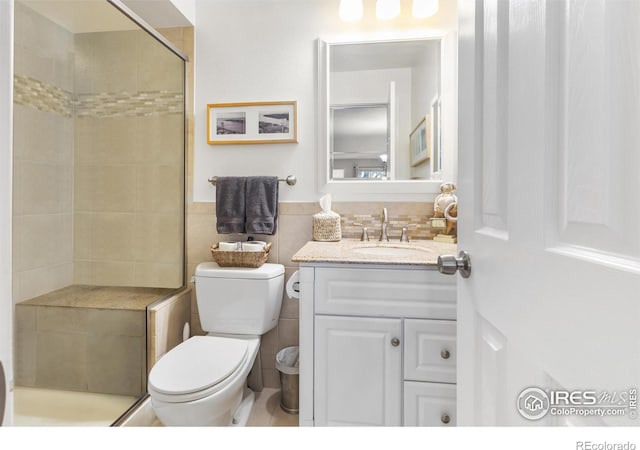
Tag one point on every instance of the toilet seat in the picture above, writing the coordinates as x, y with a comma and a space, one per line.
197, 368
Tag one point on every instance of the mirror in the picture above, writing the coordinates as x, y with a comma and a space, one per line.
415, 77
384, 101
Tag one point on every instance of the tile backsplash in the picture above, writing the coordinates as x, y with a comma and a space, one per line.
294, 230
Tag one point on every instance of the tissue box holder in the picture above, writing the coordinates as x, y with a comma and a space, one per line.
326, 227
239, 258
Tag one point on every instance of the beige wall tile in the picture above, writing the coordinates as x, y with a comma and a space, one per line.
43, 240
288, 331
106, 140
61, 360
116, 322
157, 275
25, 318
158, 189
160, 140
110, 273
295, 231
201, 233
158, 238
62, 320
269, 348
34, 282
113, 236
24, 353
116, 364
271, 378
157, 68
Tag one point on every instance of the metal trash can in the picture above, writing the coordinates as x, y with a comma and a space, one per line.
287, 364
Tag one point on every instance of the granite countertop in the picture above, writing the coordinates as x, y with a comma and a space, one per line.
354, 251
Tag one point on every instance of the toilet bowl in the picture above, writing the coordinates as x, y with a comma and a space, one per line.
201, 382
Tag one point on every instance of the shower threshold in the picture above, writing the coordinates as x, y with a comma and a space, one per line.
38, 407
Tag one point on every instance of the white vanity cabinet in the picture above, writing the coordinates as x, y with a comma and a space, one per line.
377, 345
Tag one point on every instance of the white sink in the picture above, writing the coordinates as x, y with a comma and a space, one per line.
391, 251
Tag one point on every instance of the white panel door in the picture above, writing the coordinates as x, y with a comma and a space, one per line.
549, 197
358, 371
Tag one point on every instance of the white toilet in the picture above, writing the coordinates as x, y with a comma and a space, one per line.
202, 381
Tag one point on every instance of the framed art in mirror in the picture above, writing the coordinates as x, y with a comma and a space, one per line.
420, 142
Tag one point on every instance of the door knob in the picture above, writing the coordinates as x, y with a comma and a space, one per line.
449, 264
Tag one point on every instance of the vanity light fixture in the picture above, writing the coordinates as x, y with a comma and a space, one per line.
387, 9
350, 10
424, 8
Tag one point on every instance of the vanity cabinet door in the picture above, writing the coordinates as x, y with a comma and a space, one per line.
357, 371
429, 404
430, 350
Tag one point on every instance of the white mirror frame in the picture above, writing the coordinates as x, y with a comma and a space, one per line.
391, 190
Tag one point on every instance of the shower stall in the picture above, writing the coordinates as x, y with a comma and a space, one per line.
98, 206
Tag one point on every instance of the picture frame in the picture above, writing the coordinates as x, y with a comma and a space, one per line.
420, 142
252, 123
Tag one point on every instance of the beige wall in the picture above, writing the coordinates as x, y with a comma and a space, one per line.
43, 156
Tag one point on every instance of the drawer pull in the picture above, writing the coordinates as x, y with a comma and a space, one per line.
445, 419
445, 354
395, 342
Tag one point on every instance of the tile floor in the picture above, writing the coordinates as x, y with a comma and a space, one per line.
267, 412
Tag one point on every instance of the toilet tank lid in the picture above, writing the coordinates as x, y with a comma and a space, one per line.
264, 272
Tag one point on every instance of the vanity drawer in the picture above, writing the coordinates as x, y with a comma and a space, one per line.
430, 350
385, 292
429, 404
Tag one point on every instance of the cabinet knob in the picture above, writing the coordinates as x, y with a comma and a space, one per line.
445, 419
445, 354
395, 342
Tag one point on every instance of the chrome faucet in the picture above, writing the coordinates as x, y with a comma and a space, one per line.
384, 222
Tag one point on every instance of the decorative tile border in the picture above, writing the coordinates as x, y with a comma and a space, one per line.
128, 104
48, 98
418, 226
44, 97
414, 216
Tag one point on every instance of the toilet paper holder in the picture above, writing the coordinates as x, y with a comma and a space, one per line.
293, 286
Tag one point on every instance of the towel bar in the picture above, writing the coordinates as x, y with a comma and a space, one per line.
290, 180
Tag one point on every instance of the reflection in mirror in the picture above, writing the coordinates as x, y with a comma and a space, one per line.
360, 141
379, 92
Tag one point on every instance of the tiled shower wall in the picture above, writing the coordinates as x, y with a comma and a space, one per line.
43, 156
129, 177
98, 176
294, 230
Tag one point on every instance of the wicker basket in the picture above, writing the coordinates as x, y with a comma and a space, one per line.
326, 227
239, 258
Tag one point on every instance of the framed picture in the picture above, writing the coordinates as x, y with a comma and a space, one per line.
252, 123
420, 142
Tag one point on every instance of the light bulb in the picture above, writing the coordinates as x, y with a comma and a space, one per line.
350, 10
424, 8
387, 9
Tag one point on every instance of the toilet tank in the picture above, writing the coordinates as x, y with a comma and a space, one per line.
239, 300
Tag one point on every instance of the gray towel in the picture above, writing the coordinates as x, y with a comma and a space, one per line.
230, 204
262, 205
